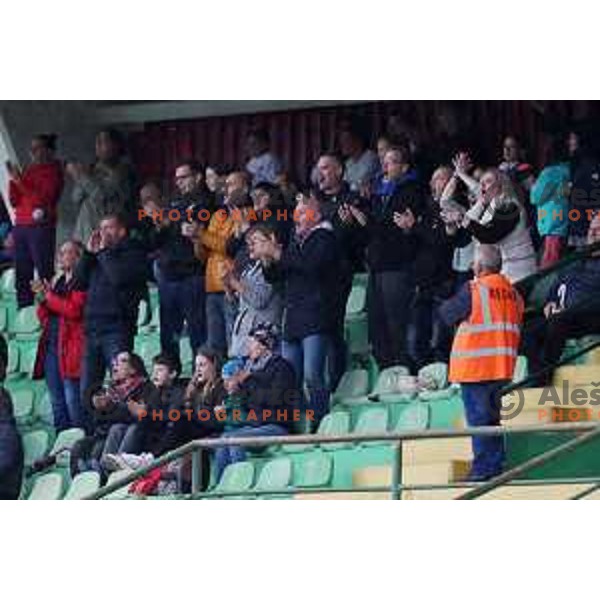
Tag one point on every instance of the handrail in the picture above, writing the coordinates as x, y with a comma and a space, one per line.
258, 442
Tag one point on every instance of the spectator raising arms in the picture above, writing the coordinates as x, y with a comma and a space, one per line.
60, 348
35, 194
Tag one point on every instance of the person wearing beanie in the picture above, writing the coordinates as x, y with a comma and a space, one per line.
262, 395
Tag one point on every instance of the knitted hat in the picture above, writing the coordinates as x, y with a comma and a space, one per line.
266, 334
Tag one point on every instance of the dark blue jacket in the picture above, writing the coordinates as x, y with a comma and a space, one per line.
312, 274
579, 288
11, 450
115, 281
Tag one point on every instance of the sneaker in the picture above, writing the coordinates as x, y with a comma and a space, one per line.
112, 462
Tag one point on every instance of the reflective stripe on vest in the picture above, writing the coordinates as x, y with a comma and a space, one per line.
486, 346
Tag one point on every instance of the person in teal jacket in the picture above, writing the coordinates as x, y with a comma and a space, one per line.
550, 195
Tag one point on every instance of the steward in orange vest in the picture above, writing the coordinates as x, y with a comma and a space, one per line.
486, 344
484, 352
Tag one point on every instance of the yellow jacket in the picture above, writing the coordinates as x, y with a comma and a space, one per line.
212, 243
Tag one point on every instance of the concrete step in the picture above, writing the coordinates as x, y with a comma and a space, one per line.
578, 374
521, 492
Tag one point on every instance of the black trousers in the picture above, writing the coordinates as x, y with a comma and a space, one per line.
390, 297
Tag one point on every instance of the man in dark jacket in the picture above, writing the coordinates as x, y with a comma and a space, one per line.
180, 275
572, 310
337, 202
11, 448
113, 271
311, 269
392, 248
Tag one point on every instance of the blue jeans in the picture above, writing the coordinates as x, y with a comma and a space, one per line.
100, 349
227, 455
482, 407
181, 301
64, 394
220, 316
308, 357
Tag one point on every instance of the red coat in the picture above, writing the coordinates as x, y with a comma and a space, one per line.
69, 309
40, 187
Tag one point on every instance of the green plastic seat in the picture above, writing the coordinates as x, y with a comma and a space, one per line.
413, 418
237, 477
276, 475
7, 284
121, 493
35, 446
521, 369
3, 319
83, 485
12, 367
64, 443
144, 313
356, 334
28, 354
352, 384
315, 471
26, 325
357, 300
335, 423
435, 375
47, 487
373, 420
388, 380
23, 402
43, 409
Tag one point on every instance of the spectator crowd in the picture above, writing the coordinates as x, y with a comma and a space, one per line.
255, 272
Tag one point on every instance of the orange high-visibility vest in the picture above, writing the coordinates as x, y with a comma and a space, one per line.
486, 345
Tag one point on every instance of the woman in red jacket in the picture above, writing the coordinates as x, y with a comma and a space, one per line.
35, 194
61, 344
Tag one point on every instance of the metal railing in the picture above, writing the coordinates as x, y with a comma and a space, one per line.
589, 431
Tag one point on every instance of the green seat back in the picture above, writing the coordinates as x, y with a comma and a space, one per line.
83, 485
13, 359
315, 471
65, 441
35, 446
413, 418
23, 401
7, 283
435, 375
122, 492
353, 383
275, 475
357, 300
47, 487
26, 322
28, 353
335, 423
43, 409
144, 313
3, 318
237, 477
373, 420
388, 380
521, 369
